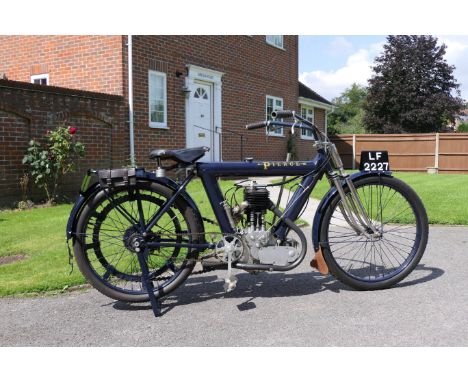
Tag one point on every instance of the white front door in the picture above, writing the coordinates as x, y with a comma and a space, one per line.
200, 128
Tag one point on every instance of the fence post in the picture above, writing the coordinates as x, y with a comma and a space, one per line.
436, 164
354, 151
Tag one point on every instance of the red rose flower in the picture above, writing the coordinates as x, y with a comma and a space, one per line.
72, 130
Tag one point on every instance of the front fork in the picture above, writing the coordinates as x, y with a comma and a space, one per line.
351, 206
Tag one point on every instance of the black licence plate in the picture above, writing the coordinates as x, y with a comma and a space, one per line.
374, 161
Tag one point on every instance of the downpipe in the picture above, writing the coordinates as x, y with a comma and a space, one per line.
282, 268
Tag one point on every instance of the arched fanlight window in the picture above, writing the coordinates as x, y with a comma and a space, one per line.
201, 93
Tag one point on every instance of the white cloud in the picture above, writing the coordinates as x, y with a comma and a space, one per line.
331, 83
358, 67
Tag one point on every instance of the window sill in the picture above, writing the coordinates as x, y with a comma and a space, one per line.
163, 127
276, 46
307, 138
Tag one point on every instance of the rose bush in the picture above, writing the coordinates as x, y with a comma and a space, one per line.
50, 160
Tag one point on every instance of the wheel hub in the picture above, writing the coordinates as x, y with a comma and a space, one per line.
133, 240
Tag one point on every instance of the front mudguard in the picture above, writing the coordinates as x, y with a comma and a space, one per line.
141, 175
320, 212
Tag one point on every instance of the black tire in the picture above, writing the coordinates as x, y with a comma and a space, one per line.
369, 264
105, 258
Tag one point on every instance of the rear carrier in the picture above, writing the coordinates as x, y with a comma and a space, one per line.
120, 177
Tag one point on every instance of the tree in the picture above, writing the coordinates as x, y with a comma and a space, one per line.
347, 116
413, 89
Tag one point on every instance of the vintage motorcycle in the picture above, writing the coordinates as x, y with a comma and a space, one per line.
137, 235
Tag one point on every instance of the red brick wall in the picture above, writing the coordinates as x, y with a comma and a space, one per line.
92, 63
252, 69
27, 111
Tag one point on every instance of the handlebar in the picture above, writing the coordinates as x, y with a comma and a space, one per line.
282, 114
256, 125
300, 123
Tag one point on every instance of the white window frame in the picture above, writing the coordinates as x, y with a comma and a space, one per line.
157, 125
271, 40
40, 77
278, 132
306, 136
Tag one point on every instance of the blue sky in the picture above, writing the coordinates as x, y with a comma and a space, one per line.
329, 64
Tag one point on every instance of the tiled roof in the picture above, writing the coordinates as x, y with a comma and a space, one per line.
307, 92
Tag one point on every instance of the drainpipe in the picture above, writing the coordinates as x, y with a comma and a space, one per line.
327, 112
130, 99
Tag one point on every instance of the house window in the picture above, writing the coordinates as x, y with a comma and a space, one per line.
307, 113
275, 40
273, 104
157, 99
40, 79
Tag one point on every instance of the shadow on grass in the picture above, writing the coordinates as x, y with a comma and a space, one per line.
264, 285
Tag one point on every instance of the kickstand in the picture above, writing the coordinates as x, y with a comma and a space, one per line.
147, 283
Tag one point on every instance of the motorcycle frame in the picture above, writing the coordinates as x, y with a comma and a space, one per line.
209, 173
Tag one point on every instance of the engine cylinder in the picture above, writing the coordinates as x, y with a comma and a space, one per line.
258, 198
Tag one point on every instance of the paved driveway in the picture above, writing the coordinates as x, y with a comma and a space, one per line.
298, 308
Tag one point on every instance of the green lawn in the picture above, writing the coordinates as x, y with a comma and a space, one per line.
445, 196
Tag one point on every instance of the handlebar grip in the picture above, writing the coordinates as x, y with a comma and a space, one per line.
282, 114
256, 125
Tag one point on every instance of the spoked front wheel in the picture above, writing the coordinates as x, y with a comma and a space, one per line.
369, 262
108, 229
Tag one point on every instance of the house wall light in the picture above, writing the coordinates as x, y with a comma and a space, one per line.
186, 91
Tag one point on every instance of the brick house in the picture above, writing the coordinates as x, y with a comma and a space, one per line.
185, 91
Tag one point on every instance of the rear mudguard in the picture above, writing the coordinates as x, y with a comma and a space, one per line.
141, 174
318, 218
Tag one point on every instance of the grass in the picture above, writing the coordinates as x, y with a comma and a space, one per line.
443, 195
40, 235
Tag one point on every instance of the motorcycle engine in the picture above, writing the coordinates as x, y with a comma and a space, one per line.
261, 246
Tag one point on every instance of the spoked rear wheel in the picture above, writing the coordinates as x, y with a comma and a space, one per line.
369, 263
105, 248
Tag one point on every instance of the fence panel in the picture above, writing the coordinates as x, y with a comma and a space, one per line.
444, 152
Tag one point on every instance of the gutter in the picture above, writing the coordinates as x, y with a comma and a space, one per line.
130, 99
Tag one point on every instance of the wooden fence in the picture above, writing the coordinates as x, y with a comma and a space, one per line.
435, 152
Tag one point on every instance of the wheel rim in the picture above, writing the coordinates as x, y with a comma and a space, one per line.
108, 236
376, 260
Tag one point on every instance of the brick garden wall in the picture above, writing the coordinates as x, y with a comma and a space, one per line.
27, 111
